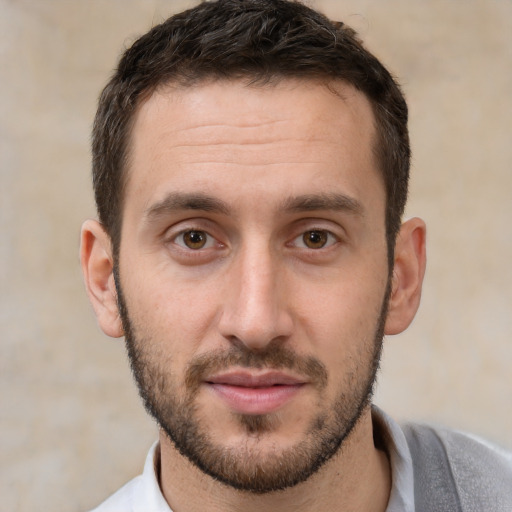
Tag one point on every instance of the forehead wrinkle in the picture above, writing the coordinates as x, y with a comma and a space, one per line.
270, 142
235, 135
235, 125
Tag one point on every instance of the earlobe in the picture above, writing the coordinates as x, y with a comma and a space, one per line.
407, 278
97, 267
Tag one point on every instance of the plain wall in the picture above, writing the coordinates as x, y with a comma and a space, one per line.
72, 427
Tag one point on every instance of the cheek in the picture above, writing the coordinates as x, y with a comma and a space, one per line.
341, 317
173, 314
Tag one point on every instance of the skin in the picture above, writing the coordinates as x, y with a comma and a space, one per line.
257, 150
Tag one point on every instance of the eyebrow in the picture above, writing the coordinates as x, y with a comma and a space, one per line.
314, 202
186, 201
176, 201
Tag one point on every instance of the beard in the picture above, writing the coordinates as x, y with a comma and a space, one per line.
245, 467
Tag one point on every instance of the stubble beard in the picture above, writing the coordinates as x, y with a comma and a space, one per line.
246, 468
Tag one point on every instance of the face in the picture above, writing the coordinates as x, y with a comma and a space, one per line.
252, 273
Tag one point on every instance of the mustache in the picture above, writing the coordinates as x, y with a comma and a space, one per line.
275, 357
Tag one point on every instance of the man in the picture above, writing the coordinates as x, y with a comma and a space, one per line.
250, 163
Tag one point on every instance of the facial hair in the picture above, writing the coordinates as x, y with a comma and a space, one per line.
242, 467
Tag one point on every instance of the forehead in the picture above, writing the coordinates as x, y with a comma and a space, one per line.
322, 107
305, 132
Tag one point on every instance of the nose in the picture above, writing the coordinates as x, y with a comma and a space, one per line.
254, 309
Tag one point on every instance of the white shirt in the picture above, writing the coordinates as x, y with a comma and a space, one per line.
143, 494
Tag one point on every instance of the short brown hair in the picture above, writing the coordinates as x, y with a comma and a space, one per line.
257, 40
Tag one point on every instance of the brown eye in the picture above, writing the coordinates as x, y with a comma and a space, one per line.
315, 239
195, 239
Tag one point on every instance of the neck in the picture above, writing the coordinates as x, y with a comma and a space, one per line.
357, 478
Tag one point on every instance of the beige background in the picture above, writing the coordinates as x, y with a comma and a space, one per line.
72, 428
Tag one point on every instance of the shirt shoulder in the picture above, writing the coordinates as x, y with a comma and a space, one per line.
142, 494
123, 499
475, 474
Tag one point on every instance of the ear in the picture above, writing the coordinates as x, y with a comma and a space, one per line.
408, 273
97, 267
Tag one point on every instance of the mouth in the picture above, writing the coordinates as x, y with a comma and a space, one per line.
247, 392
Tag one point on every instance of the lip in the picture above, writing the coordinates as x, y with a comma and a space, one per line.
252, 393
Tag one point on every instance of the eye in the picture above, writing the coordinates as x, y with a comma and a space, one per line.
315, 239
194, 239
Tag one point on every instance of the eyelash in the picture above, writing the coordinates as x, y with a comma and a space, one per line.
210, 240
329, 239
326, 239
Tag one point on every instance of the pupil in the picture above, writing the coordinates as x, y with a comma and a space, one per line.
315, 239
195, 239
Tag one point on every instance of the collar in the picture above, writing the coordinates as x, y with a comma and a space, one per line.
401, 498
